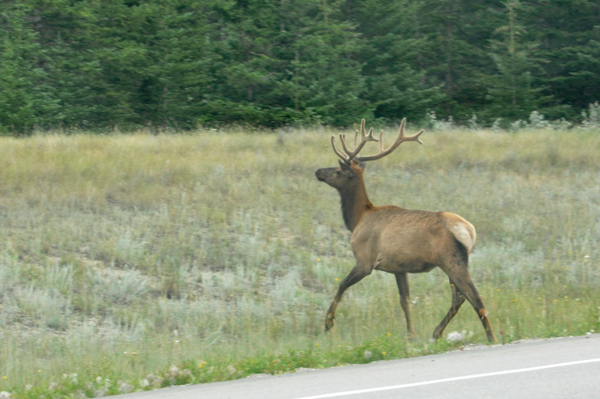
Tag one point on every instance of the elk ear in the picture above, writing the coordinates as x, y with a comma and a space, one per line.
346, 168
362, 165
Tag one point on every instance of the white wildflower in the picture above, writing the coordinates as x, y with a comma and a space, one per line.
187, 373
456, 336
158, 381
125, 387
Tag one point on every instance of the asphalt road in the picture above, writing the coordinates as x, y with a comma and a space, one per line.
552, 368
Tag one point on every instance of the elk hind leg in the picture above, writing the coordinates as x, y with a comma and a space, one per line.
467, 288
356, 274
457, 300
458, 272
403, 288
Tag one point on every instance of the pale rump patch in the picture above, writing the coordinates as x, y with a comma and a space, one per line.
461, 229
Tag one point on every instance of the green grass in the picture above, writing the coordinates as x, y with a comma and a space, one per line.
126, 255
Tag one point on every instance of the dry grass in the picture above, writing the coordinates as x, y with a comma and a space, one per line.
125, 254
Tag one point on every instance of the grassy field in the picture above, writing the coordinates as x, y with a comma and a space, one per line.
135, 261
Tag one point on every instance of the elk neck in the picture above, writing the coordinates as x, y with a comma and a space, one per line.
354, 203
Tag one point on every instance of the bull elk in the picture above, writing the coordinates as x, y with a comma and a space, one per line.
398, 240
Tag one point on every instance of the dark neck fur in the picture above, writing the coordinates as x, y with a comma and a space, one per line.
354, 203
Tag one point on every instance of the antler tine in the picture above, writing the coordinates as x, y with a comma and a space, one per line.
414, 137
364, 138
401, 138
338, 152
344, 146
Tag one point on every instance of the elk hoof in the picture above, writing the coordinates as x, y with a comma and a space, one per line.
328, 323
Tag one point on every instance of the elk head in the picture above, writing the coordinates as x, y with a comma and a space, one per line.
349, 173
343, 176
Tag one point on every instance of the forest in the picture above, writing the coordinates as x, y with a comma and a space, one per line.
183, 64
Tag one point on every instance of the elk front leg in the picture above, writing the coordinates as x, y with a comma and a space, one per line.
402, 282
356, 274
457, 300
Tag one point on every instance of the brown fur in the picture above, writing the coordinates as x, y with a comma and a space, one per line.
401, 241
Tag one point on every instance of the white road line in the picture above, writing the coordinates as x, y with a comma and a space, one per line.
466, 377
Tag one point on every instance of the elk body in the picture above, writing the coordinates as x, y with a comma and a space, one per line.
398, 240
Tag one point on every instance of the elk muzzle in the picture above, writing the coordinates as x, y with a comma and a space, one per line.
324, 174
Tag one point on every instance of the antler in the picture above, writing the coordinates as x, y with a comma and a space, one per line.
399, 140
352, 155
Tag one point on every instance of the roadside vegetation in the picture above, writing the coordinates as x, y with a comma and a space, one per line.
137, 261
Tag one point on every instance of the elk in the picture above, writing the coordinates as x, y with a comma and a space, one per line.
398, 240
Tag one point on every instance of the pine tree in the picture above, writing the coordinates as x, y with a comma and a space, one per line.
514, 92
569, 38
394, 71
26, 100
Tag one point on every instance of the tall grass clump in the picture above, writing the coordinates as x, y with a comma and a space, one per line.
137, 261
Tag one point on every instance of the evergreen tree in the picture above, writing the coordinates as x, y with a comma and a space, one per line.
568, 32
183, 63
285, 62
513, 91
396, 79
26, 100
454, 54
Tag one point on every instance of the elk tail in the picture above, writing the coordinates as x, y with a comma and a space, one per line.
461, 229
